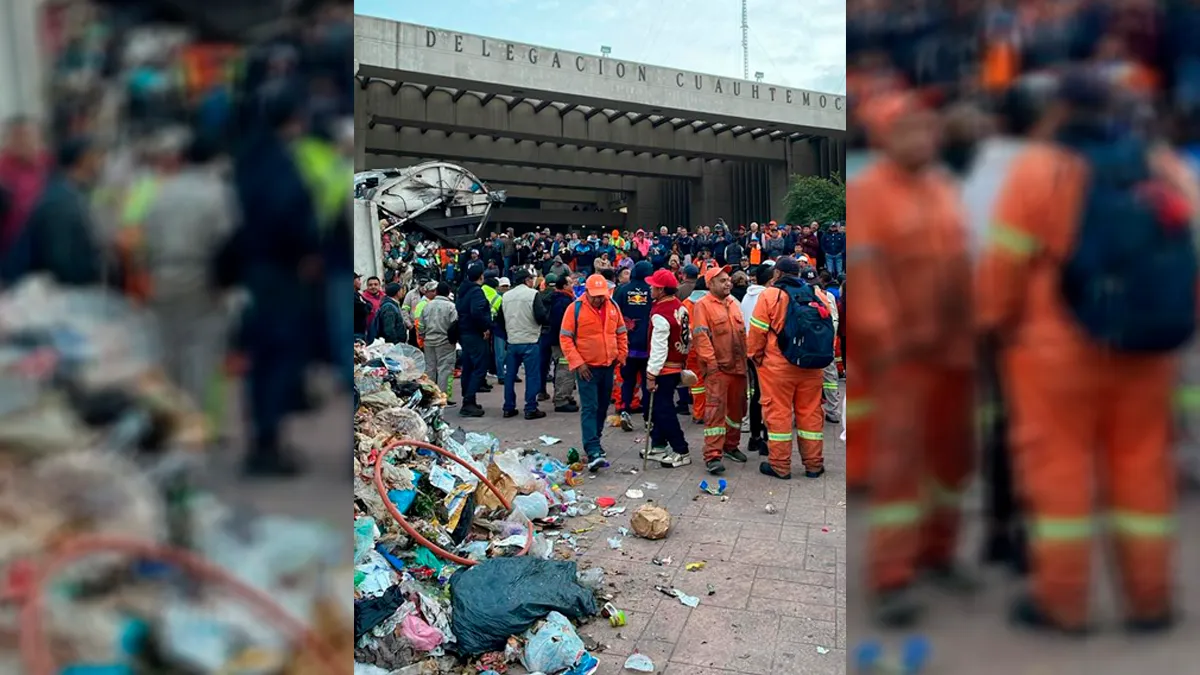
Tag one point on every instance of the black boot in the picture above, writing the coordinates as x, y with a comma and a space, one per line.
1025, 613
897, 608
758, 445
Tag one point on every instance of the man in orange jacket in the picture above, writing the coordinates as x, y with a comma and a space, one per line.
719, 341
911, 313
1087, 419
594, 342
791, 395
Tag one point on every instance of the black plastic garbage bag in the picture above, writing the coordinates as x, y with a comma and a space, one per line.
501, 597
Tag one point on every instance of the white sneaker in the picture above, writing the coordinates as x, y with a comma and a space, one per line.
656, 454
674, 460
626, 422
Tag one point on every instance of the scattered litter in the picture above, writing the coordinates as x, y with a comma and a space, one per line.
825, 529
822, 650
605, 502
533, 506
634, 494
623, 531
651, 521
718, 489
422, 636
592, 578
689, 600
616, 617
663, 562
770, 508
550, 440
614, 543
552, 646
639, 662
650, 486
694, 566
712, 590
614, 511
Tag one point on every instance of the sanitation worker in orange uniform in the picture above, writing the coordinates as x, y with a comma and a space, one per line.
719, 341
912, 334
791, 395
1089, 424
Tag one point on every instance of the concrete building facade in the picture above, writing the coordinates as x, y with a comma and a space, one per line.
581, 140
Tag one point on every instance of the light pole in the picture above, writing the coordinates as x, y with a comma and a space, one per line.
605, 50
758, 75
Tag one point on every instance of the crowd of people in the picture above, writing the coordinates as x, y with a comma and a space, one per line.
207, 183
662, 325
1043, 169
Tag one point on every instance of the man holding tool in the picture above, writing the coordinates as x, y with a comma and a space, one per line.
670, 340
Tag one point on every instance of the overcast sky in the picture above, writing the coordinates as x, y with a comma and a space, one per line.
795, 44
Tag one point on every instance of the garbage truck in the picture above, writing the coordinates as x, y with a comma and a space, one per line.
434, 201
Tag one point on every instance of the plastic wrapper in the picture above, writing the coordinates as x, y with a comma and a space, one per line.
406, 362
422, 636
365, 534
533, 506
501, 597
552, 646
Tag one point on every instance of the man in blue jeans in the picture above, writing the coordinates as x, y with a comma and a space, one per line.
523, 313
594, 341
833, 244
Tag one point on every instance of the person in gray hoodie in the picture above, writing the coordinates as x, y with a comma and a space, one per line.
758, 431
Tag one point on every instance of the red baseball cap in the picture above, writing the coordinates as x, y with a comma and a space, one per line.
663, 279
712, 272
597, 285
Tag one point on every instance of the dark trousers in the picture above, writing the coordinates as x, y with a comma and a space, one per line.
528, 356
1005, 541
630, 372
475, 355
666, 430
594, 397
757, 429
273, 383
547, 362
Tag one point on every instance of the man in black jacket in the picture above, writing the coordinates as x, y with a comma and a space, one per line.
362, 309
634, 300
389, 321
474, 325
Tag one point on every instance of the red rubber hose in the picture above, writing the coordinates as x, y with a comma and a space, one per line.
35, 648
412, 532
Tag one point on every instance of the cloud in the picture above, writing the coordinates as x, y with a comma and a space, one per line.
798, 44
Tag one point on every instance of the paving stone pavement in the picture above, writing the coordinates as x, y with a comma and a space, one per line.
780, 578
971, 635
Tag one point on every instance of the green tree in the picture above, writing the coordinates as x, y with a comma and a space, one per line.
814, 198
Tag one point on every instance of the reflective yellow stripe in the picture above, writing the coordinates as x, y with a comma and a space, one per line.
760, 324
700, 329
810, 435
1143, 525
893, 515
856, 408
1012, 240
697, 390
986, 414
567, 333
1187, 397
837, 359
564, 362
733, 423
829, 385
1062, 529
622, 329
714, 431
784, 437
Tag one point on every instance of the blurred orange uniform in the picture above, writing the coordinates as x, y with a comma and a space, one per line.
1084, 420
914, 347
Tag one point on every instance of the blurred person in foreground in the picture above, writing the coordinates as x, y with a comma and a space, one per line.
1089, 359
60, 236
911, 308
24, 166
280, 247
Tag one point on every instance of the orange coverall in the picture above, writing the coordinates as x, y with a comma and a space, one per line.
699, 389
791, 396
719, 342
912, 336
1084, 420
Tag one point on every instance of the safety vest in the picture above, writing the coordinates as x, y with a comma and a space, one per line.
493, 298
130, 244
324, 172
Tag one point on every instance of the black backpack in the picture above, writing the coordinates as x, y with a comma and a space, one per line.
807, 337
1124, 238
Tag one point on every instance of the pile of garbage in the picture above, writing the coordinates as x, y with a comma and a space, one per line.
462, 562
124, 565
